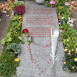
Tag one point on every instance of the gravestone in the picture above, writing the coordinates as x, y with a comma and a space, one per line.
41, 21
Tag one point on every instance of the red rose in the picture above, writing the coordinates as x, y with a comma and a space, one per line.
24, 30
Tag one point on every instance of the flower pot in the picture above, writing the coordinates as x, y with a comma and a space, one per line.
39, 1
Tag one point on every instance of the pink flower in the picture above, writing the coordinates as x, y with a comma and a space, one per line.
67, 4
52, 2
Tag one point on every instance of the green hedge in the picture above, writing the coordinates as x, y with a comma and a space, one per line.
7, 57
12, 38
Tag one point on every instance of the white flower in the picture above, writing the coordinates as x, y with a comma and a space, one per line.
70, 22
71, 25
62, 18
69, 18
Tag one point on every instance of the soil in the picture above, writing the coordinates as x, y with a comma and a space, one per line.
74, 12
74, 15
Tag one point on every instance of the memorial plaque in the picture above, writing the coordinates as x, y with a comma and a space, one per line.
40, 21
40, 11
39, 31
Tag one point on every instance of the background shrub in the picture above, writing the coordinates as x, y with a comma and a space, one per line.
8, 64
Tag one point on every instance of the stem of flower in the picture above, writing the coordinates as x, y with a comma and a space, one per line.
27, 39
30, 53
53, 70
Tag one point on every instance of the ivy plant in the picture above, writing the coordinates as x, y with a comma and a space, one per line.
14, 47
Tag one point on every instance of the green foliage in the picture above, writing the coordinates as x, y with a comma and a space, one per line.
3, 41
14, 47
11, 47
61, 21
19, 3
70, 55
27, 34
62, 11
13, 32
68, 36
60, 2
61, 8
30, 41
47, 3
15, 3
8, 64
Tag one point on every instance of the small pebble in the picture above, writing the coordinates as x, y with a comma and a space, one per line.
42, 71
4, 11
39, 68
45, 69
34, 62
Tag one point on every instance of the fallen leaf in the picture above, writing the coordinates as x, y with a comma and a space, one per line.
7, 15
73, 19
19, 17
60, 31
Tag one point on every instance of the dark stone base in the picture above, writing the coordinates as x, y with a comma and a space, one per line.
25, 0
1, 1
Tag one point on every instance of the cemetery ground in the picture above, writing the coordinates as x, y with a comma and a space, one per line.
35, 58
